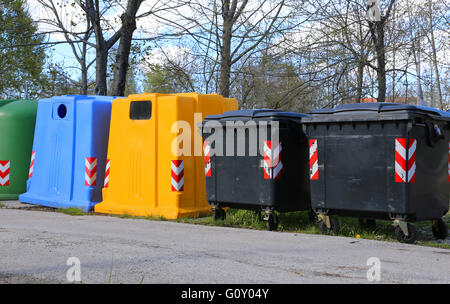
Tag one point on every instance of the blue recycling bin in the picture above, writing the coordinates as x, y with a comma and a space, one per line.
69, 152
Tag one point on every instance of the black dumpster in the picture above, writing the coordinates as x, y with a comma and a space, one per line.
252, 169
380, 161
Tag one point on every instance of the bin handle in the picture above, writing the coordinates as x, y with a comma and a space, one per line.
434, 133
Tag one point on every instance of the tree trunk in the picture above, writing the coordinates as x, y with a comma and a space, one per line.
377, 33
416, 55
225, 62
84, 80
102, 46
381, 62
360, 75
123, 53
101, 66
435, 63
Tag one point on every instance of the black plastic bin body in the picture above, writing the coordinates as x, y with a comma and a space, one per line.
363, 170
242, 182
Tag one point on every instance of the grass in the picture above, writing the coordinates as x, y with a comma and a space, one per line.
150, 217
299, 222
71, 211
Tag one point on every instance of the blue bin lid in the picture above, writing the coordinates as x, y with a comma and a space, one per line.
381, 107
256, 113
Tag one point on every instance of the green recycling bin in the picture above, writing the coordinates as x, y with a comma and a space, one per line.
17, 120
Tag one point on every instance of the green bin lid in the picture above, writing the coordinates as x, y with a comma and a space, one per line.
18, 108
6, 101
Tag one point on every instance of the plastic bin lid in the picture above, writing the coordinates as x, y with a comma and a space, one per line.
256, 113
381, 107
6, 101
18, 108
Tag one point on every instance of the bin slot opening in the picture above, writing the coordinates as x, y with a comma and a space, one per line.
141, 110
60, 111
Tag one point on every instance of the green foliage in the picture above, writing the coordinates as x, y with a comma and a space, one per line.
21, 55
158, 80
166, 79
272, 83
54, 81
131, 85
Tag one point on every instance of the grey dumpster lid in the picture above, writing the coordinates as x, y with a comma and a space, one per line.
381, 107
256, 113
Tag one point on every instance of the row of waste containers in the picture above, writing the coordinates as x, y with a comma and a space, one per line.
178, 155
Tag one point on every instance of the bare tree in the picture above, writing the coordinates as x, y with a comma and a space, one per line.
377, 31
415, 36
434, 53
78, 40
94, 13
126, 35
228, 31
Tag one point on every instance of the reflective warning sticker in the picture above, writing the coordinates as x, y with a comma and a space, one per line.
4, 172
177, 175
272, 160
405, 160
90, 174
313, 160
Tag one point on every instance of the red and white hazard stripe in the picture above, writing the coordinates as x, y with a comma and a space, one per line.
30, 173
272, 160
108, 165
177, 175
4, 172
207, 152
405, 160
90, 174
313, 160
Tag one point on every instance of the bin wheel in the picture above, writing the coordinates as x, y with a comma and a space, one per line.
440, 230
219, 214
334, 227
402, 238
272, 222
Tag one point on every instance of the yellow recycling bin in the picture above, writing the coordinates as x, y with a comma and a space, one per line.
155, 163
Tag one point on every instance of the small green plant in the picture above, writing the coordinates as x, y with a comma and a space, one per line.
109, 274
141, 280
155, 218
2, 205
126, 216
72, 211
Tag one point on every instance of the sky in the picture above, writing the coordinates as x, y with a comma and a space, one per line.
73, 20
71, 17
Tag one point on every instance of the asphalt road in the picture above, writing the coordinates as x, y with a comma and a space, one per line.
35, 247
